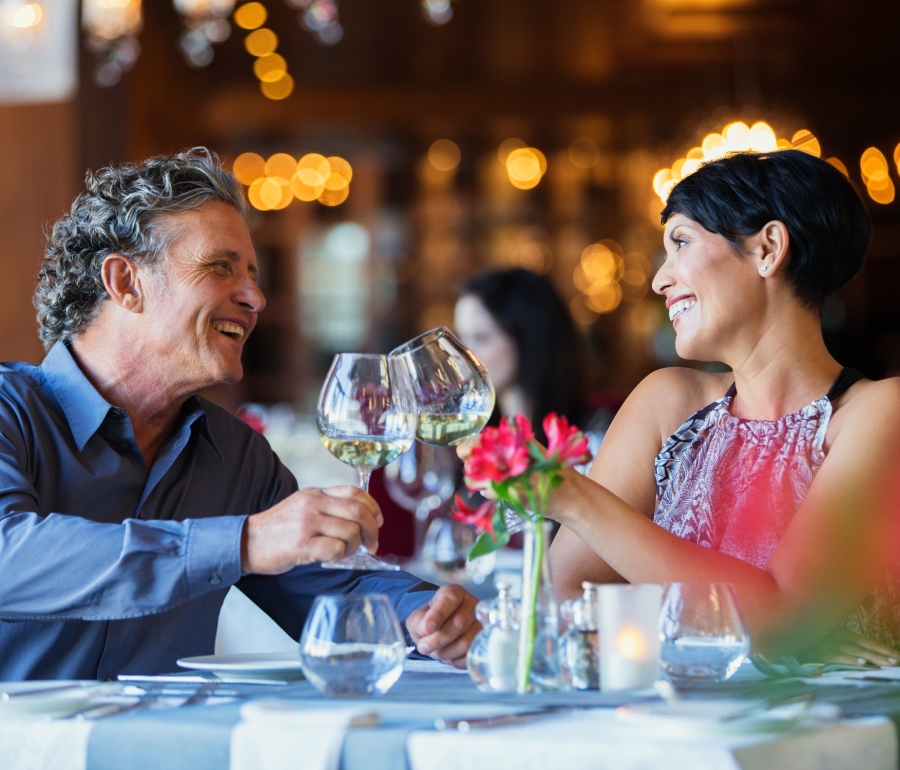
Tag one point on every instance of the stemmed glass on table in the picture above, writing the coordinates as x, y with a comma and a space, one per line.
372, 407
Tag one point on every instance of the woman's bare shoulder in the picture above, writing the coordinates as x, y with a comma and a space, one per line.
677, 392
868, 399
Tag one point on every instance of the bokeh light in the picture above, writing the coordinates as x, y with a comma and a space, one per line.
250, 16
262, 42
26, 16
873, 168
340, 166
334, 197
507, 146
270, 68
249, 167
734, 137
838, 164
444, 155
281, 164
279, 89
525, 166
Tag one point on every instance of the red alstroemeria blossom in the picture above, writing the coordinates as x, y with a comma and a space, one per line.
482, 516
501, 452
565, 442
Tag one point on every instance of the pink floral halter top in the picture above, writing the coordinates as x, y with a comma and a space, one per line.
734, 485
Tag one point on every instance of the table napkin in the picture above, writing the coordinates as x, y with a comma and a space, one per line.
37, 743
277, 735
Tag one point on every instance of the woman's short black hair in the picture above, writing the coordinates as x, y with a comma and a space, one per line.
552, 363
828, 223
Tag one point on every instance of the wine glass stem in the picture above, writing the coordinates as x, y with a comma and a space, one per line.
364, 475
423, 511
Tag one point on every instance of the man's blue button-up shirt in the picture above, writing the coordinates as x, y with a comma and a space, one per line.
107, 567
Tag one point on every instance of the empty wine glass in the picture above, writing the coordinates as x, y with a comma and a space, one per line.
366, 422
703, 631
421, 480
352, 645
451, 389
446, 550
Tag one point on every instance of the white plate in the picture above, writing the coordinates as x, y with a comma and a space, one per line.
264, 665
58, 703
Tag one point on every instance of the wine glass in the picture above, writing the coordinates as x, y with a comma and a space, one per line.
366, 421
421, 480
450, 387
703, 631
352, 645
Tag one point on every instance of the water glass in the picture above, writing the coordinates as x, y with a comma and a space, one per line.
352, 645
703, 632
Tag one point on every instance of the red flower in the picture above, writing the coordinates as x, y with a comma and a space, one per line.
501, 452
568, 444
482, 516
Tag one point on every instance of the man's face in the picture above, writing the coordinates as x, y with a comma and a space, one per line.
202, 299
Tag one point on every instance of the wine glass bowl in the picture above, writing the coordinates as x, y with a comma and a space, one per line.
450, 387
703, 632
352, 645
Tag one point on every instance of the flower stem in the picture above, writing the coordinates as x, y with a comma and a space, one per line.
528, 628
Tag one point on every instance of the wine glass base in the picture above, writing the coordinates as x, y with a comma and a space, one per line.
362, 561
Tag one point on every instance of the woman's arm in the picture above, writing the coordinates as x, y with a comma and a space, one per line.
833, 553
624, 464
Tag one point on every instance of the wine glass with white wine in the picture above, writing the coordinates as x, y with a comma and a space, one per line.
366, 421
450, 387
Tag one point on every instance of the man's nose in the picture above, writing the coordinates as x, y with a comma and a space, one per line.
251, 296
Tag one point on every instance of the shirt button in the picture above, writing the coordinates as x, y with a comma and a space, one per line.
215, 579
125, 446
119, 414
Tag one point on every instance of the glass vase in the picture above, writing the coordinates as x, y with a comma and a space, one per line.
538, 659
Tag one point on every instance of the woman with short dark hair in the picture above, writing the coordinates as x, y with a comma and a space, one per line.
775, 477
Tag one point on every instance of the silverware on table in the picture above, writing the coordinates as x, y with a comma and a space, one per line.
6, 696
498, 720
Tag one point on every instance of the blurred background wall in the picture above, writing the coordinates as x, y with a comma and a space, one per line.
477, 133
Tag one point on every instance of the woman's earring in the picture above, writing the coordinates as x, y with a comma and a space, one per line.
764, 269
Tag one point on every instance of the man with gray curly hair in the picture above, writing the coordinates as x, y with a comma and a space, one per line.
128, 503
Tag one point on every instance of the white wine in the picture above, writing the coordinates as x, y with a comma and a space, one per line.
449, 429
366, 451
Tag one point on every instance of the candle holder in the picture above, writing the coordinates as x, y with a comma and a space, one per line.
629, 636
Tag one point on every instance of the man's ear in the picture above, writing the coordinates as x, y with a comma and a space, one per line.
122, 282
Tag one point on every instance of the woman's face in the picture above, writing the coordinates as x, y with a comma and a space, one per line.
713, 295
495, 348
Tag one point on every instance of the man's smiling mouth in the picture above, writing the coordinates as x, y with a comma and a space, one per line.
229, 329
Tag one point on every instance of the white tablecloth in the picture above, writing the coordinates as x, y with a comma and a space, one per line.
599, 739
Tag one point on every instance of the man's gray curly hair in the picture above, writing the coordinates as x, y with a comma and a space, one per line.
121, 211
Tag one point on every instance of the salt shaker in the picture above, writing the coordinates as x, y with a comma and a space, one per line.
581, 641
492, 656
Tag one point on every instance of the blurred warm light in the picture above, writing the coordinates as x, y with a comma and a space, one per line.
275, 192
249, 167
874, 170
507, 146
605, 277
735, 137
111, 19
630, 643
26, 16
313, 169
279, 89
334, 197
532, 255
250, 16
738, 136
281, 164
805, 141
261, 42
836, 162
762, 138
605, 298
270, 68
444, 155
584, 152
525, 166
306, 192
340, 166
897, 157
254, 195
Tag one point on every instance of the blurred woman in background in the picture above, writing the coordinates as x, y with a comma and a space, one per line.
522, 332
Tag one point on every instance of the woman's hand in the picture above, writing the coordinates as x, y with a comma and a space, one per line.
843, 647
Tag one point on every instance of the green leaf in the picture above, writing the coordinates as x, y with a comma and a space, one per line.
534, 449
485, 544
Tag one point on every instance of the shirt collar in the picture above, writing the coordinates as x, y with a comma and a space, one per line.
86, 409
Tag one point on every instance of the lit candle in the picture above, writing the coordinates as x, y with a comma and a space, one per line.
629, 636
